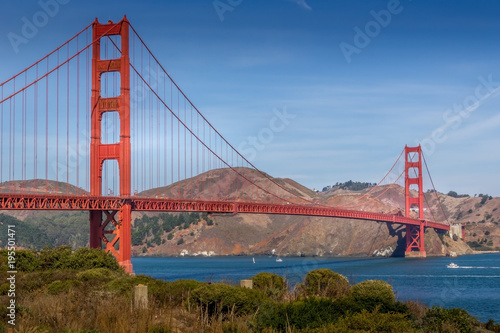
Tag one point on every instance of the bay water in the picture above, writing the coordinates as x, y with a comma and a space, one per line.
473, 286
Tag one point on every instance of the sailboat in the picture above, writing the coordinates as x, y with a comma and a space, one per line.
278, 259
253, 259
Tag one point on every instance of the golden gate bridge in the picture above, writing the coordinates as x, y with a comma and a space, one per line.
99, 125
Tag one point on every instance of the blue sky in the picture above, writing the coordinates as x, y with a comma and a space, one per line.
358, 80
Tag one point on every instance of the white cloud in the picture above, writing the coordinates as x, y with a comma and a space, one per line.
479, 129
302, 3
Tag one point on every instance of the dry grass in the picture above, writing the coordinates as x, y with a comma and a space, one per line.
88, 308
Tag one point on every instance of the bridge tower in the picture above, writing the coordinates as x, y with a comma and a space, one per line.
111, 227
413, 176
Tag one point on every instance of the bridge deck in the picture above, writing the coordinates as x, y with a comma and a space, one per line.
56, 202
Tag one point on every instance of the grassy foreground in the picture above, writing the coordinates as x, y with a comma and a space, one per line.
60, 290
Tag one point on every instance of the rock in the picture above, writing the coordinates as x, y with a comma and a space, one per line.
383, 252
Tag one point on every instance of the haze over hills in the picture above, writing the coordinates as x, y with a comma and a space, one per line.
252, 234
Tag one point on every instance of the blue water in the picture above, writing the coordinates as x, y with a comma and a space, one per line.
475, 286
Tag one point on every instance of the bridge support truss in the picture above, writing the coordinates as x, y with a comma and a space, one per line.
413, 176
111, 228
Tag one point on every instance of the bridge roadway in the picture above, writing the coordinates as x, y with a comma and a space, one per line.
59, 202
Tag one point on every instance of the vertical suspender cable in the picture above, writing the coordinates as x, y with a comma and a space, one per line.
47, 130
185, 149
172, 137
157, 142
35, 130
23, 135
2, 124
77, 119
87, 114
165, 136
57, 125
67, 125
178, 147
13, 135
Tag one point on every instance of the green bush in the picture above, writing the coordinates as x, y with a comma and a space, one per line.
373, 290
58, 287
438, 320
27, 261
29, 282
324, 282
4, 288
62, 257
179, 291
373, 322
96, 274
56, 258
322, 313
492, 326
273, 285
125, 284
222, 298
312, 312
85, 258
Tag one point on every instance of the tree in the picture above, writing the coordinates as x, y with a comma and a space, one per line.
452, 194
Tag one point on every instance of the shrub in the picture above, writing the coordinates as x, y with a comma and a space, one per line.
309, 313
4, 288
437, 319
492, 326
373, 322
27, 261
85, 258
180, 241
58, 287
179, 291
373, 290
273, 285
222, 298
324, 282
98, 274
125, 284
56, 258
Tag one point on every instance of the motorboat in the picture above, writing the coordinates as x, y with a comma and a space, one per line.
278, 259
452, 265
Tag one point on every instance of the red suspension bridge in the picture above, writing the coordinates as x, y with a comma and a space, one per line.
99, 125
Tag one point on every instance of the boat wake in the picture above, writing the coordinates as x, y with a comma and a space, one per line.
477, 267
